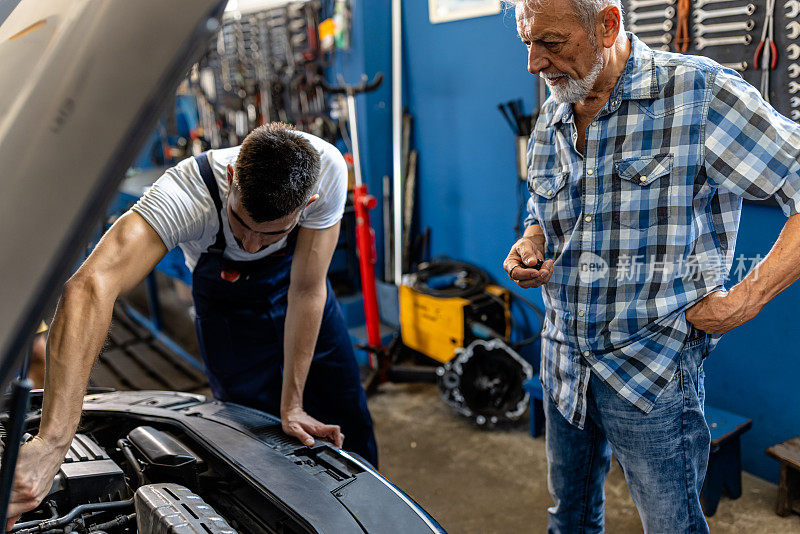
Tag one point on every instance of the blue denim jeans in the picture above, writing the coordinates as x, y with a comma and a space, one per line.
663, 454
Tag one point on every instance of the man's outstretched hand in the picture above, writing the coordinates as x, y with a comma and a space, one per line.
296, 422
520, 264
37, 465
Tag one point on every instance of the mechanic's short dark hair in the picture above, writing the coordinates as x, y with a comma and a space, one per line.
275, 172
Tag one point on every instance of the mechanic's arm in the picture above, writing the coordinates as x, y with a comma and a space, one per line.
719, 313
307, 295
123, 257
753, 152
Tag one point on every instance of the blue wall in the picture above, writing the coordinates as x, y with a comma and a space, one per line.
455, 75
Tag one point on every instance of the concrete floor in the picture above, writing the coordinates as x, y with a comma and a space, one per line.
476, 481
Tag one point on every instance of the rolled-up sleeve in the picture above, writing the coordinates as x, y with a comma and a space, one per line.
751, 150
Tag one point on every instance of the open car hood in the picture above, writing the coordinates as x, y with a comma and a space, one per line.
82, 83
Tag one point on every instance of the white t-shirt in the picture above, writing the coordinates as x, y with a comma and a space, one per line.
180, 209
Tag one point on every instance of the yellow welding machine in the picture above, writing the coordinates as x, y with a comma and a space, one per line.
437, 326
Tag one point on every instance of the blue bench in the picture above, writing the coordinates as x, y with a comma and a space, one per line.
724, 474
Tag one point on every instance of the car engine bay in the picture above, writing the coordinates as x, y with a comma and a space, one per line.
169, 462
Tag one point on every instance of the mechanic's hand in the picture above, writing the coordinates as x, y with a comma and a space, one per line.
296, 422
721, 312
520, 264
37, 465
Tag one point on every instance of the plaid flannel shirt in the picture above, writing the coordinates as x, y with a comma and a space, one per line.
644, 223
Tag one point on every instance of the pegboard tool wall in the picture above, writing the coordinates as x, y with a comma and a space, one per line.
660, 19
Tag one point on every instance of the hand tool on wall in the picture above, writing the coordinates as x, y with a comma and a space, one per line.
682, 39
766, 56
667, 13
794, 87
793, 8
793, 51
638, 4
793, 29
703, 42
700, 14
793, 70
664, 39
658, 27
742, 25
740, 66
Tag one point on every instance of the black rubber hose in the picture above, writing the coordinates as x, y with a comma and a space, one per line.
116, 522
29, 524
539, 314
134, 463
474, 279
75, 512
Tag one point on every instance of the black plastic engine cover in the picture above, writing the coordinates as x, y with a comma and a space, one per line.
87, 475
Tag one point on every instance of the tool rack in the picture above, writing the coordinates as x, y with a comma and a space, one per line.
656, 22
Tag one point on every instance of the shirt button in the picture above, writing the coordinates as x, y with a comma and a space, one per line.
594, 123
585, 267
549, 191
574, 135
614, 103
643, 178
586, 353
588, 218
590, 172
580, 313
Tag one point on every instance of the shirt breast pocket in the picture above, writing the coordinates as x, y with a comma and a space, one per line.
641, 193
552, 202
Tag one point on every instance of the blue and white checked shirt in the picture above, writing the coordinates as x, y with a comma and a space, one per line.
644, 223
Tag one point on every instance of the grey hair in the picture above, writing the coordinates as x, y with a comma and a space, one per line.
586, 11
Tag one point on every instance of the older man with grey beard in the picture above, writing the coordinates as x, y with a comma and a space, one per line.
636, 167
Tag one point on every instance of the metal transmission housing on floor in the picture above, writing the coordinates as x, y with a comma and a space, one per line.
485, 382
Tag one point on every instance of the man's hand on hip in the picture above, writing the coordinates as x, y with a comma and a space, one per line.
37, 465
721, 312
296, 422
521, 262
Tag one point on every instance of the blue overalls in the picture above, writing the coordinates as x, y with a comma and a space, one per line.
240, 327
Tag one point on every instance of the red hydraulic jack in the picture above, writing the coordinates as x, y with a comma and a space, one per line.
365, 235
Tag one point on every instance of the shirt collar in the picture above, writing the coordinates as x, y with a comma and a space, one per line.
638, 81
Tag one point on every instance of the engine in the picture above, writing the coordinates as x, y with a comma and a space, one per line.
92, 493
170, 462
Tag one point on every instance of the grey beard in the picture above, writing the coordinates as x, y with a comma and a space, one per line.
577, 90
